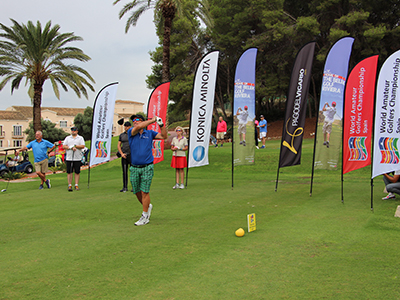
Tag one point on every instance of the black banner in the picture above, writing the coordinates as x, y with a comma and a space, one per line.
295, 115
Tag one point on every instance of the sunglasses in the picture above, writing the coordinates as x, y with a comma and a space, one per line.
137, 119
178, 130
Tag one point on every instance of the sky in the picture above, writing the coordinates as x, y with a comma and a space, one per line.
115, 55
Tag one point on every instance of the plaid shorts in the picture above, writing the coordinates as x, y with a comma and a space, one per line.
141, 178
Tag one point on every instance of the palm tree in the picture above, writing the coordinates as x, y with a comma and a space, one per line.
36, 55
168, 9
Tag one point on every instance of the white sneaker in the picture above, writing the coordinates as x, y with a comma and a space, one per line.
389, 196
149, 210
142, 221
175, 186
182, 186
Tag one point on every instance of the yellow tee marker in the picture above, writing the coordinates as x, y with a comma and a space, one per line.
251, 222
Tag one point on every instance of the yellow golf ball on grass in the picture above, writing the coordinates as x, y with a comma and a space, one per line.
239, 232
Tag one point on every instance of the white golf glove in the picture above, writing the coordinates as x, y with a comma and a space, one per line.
160, 122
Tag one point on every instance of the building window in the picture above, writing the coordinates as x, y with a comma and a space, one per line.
1, 131
17, 143
63, 124
17, 129
1, 143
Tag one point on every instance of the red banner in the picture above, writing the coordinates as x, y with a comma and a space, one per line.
358, 115
157, 106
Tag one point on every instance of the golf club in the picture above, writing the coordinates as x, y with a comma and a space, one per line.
3, 190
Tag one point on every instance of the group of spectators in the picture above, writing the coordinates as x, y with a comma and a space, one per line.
135, 149
73, 144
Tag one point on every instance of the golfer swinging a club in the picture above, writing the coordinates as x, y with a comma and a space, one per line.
142, 168
329, 113
242, 116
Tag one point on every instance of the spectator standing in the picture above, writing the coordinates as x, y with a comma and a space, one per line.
221, 131
179, 145
256, 132
73, 145
125, 152
39, 148
263, 130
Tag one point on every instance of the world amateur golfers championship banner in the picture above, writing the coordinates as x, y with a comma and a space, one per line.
202, 108
329, 131
157, 107
295, 115
387, 118
244, 108
103, 115
358, 115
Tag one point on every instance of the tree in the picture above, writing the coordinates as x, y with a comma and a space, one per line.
49, 130
84, 123
168, 9
186, 52
36, 55
279, 28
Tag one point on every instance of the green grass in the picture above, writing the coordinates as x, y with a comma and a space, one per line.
83, 245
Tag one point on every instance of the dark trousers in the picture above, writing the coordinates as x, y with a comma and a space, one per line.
125, 162
256, 135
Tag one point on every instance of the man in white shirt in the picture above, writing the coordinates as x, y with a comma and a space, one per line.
329, 113
74, 145
242, 116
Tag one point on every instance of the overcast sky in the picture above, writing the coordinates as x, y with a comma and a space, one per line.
115, 55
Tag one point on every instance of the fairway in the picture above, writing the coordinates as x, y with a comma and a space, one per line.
84, 245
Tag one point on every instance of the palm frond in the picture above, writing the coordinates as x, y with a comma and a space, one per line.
37, 53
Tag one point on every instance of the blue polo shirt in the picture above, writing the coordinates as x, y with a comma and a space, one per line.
39, 149
141, 146
263, 122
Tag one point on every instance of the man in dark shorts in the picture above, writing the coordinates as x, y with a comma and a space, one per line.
142, 168
73, 145
125, 152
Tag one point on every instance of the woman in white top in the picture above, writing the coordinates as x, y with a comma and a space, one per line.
179, 145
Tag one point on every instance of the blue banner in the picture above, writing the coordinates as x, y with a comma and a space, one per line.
330, 117
244, 108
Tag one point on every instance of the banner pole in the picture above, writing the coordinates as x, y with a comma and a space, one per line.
187, 170
343, 127
88, 180
233, 166
313, 161
277, 180
372, 193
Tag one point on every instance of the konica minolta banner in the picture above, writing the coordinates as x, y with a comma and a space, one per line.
103, 116
202, 109
386, 155
244, 108
296, 106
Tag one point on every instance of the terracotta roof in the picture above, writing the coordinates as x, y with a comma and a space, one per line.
27, 111
126, 116
12, 115
128, 102
65, 111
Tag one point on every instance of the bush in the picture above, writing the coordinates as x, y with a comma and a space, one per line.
59, 167
13, 176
